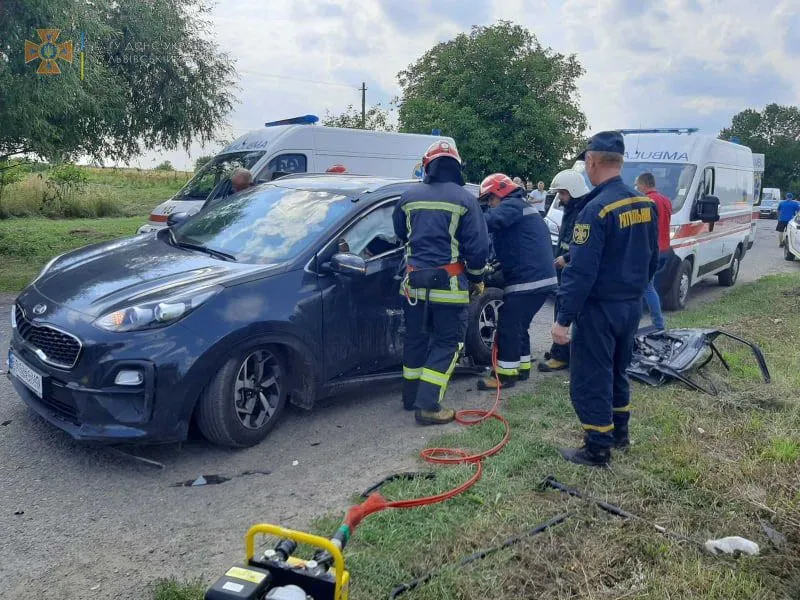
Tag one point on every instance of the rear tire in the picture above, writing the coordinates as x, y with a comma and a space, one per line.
245, 399
481, 325
729, 276
678, 294
787, 254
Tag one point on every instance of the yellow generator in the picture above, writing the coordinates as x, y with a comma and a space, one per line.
278, 575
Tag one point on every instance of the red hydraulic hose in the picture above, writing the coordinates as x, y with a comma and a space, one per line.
448, 456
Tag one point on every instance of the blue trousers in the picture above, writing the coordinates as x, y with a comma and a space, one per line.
429, 359
600, 354
513, 338
652, 299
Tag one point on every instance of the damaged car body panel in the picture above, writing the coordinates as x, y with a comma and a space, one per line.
660, 357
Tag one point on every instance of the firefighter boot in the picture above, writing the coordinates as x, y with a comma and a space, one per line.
589, 455
490, 382
551, 365
622, 441
440, 417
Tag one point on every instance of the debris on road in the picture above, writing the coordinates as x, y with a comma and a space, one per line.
141, 459
6, 423
660, 357
215, 479
732, 545
295, 463
776, 537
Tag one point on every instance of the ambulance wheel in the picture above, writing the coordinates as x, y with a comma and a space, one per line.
481, 325
787, 254
729, 276
678, 294
245, 398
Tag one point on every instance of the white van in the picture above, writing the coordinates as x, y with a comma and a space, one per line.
297, 146
688, 166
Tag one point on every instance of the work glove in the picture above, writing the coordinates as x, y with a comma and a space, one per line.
476, 289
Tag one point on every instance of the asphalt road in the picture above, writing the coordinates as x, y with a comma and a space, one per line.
84, 522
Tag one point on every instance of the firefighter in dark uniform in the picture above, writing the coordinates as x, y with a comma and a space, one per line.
571, 190
447, 246
613, 256
522, 246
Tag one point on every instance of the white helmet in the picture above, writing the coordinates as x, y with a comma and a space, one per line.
572, 181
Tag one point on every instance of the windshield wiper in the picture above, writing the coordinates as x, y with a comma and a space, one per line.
201, 248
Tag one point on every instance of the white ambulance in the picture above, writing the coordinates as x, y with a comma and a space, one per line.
297, 145
693, 170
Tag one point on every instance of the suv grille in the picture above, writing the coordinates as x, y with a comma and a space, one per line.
60, 349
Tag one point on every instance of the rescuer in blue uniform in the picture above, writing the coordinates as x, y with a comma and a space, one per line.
447, 245
523, 248
613, 256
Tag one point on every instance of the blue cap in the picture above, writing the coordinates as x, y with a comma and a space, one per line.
605, 141
789, 196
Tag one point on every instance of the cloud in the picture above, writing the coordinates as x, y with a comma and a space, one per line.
671, 63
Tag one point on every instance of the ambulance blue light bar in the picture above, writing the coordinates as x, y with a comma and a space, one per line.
303, 120
678, 130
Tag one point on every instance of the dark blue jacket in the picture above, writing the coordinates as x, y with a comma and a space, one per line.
614, 249
571, 211
522, 245
440, 222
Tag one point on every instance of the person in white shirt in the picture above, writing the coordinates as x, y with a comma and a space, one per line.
537, 197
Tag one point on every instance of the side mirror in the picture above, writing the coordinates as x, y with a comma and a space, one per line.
176, 218
346, 264
707, 210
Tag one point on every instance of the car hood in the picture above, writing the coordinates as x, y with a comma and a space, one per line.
107, 276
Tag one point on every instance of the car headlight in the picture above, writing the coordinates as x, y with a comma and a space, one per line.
159, 313
13, 317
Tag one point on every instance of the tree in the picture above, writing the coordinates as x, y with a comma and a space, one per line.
201, 161
152, 78
510, 104
775, 132
376, 117
164, 166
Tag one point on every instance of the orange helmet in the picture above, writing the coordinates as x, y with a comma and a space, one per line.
499, 184
440, 149
337, 169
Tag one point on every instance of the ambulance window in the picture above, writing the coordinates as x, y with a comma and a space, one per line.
708, 181
287, 163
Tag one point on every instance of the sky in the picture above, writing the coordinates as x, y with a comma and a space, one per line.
666, 63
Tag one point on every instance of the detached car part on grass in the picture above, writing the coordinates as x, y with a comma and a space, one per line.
660, 357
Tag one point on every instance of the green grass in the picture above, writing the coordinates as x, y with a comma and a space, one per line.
105, 193
27, 244
701, 466
170, 589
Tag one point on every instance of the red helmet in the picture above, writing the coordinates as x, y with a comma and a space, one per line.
499, 184
337, 169
440, 149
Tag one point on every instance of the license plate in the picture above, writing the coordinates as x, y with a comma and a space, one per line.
25, 374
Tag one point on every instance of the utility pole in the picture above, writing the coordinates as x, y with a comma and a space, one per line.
363, 105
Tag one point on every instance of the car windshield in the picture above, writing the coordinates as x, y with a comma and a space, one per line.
672, 179
217, 169
267, 224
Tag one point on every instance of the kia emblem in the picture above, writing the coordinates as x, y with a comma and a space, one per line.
40, 309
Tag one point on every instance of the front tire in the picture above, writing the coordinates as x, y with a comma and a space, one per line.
678, 294
787, 254
482, 324
245, 399
729, 276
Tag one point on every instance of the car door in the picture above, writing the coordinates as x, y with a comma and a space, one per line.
363, 314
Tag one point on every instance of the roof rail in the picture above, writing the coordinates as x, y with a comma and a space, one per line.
677, 130
303, 120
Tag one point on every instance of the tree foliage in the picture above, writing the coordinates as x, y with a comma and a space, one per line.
510, 104
164, 166
376, 118
200, 162
152, 79
774, 132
